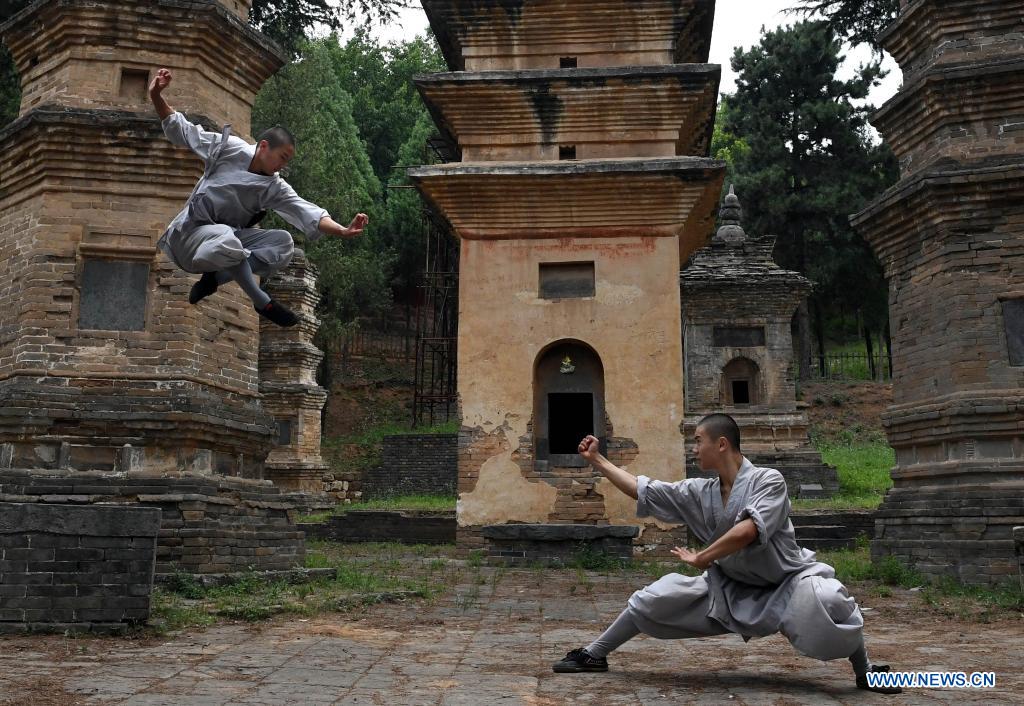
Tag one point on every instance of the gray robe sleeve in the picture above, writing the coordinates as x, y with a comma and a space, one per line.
183, 133
671, 502
767, 505
297, 211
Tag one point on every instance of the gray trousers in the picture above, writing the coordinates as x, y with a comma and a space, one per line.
215, 248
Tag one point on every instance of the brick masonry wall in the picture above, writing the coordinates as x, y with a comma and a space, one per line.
415, 463
208, 525
381, 526
70, 567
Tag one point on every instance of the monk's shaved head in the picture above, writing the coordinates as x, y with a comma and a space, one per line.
719, 425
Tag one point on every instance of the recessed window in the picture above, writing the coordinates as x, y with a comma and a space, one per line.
566, 280
113, 295
570, 418
567, 152
568, 62
1013, 322
134, 84
738, 336
284, 432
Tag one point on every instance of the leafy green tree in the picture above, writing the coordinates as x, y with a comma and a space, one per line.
290, 22
725, 145
405, 231
379, 79
859, 21
332, 170
811, 162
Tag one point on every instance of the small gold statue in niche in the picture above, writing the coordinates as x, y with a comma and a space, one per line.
567, 367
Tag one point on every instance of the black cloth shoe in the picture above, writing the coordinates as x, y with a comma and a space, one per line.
580, 661
862, 681
206, 286
278, 313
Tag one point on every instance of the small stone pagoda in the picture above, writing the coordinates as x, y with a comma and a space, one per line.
583, 128
950, 235
738, 351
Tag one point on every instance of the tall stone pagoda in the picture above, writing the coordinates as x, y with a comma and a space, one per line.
738, 306
950, 235
99, 349
583, 128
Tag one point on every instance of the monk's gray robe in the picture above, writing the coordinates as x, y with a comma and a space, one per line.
211, 232
771, 585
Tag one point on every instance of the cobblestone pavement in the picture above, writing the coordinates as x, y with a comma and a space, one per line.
491, 641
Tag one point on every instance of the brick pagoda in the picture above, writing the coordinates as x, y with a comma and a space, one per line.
113, 389
950, 235
583, 128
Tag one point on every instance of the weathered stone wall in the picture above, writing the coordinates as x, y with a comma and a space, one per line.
415, 463
960, 532
557, 545
637, 298
77, 568
207, 526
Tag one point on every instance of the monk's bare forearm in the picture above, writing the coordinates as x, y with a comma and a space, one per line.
329, 226
163, 109
739, 536
621, 479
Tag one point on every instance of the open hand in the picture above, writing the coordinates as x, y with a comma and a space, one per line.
357, 225
688, 556
161, 81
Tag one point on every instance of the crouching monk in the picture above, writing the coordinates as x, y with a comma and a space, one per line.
214, 234
757, 580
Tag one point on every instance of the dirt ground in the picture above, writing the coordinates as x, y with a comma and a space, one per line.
838, 408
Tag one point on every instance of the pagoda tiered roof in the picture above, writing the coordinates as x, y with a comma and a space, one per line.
655, 111
521, 34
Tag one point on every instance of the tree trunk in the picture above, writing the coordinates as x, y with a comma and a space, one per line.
870, 348
887, 332
803, 327
819, 332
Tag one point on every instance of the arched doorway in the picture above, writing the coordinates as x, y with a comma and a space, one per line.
741, 383
568, 401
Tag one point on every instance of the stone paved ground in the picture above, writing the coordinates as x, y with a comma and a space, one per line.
491, 641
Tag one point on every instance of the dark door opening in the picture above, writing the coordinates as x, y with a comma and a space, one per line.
570, 418
740, 392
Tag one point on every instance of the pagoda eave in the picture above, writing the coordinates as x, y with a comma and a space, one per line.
671, 106
471, 29
500, 201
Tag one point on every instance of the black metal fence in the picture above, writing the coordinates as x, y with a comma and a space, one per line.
851, 366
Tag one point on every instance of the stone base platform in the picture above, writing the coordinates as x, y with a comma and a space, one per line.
208, 524
964, 532
83, 569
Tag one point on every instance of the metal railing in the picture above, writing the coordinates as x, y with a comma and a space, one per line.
851, 366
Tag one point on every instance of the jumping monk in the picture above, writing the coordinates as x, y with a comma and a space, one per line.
214, 234
756, 579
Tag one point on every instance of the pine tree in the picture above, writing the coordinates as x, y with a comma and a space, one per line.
811, 162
